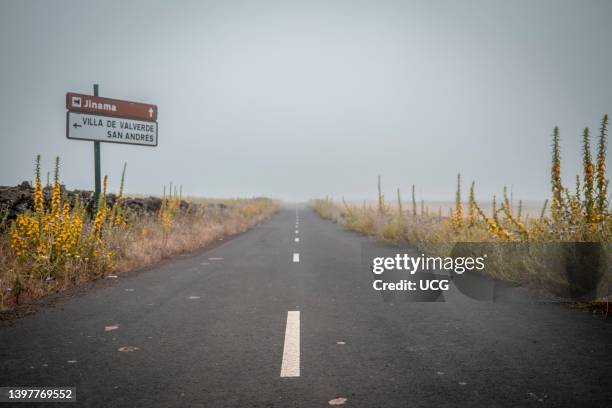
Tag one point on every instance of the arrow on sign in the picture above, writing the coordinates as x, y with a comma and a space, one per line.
75, 125
150, 112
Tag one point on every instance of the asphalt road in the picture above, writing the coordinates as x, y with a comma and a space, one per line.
214, 330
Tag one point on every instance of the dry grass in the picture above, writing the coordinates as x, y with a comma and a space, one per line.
580, 215
57, 245
145, 242
142, 241
534, 262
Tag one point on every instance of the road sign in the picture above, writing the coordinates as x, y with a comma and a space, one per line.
91, 117
110, 107
84, 126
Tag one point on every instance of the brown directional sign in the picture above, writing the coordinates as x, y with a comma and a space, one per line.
110, 107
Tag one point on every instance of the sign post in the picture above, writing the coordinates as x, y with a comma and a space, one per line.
98, 180
97, 119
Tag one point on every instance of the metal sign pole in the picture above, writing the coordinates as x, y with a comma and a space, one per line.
98, 180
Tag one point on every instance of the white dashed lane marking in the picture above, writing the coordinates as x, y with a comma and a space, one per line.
291, 351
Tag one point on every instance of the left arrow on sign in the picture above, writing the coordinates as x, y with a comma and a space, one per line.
75, 125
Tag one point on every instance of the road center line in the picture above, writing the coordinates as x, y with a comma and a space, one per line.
296, 257
297, 240
297, 231
291, 351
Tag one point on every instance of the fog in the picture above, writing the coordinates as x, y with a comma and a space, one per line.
297, 100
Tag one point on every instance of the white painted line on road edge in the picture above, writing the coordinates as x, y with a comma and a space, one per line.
297, 240
296, 257
291, 351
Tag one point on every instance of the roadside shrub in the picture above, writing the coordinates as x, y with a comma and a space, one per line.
581, 215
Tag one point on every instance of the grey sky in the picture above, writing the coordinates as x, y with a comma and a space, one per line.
302, 99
